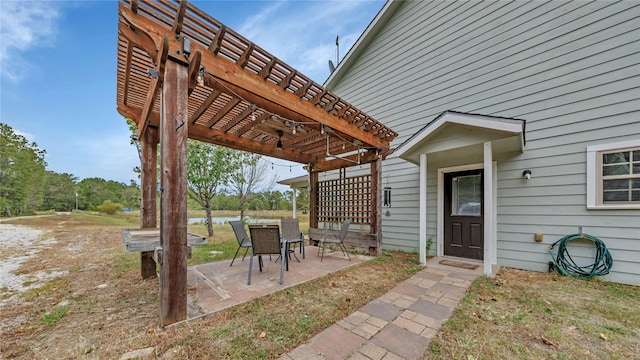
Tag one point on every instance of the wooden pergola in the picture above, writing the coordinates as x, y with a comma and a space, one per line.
182, 74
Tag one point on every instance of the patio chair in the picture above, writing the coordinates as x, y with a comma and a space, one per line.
266, 241
335, 239
243, 239
292, 234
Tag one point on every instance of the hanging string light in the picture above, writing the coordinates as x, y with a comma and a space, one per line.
274, 164
253, 112
323, 131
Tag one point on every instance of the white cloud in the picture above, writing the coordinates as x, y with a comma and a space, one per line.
30, 137
303, 33
24, 25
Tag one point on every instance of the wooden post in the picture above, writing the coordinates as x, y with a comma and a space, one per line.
313, 201
148, 215
376, 206
173, 206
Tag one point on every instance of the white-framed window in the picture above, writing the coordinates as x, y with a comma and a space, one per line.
613, 175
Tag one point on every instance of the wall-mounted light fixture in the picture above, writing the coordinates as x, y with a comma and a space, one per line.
386, 196
526, 174
279, 143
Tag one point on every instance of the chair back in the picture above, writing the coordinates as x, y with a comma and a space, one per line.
344, 228
241, 233
265, 239
290, 228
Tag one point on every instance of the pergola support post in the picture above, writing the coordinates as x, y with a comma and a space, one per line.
313, 199
148, 215
173, 182
376, 206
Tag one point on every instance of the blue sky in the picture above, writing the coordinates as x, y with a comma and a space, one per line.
58, 70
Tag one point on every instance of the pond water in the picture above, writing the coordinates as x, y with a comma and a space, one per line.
222, 220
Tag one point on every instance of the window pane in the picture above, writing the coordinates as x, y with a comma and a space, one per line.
616, 158
619, 176
615, 196
609, 170
467, 195
615, 184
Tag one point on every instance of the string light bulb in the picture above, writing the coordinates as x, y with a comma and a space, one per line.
200, 78
253, 113
294, 129
344, 146
322, 129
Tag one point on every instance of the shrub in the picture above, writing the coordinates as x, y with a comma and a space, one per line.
110, 207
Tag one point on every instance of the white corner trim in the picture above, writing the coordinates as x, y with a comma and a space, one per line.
488, 195
423, 210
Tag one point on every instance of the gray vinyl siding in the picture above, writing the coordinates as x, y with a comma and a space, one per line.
570, 69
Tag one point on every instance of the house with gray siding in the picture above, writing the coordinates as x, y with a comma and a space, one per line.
518, 122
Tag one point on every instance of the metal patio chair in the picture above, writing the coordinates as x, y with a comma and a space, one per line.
243, 239
292, 234
335, 239
265, 240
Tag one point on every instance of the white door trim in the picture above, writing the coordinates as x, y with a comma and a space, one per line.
490, 207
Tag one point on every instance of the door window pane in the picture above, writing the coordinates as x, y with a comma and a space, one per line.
466, 197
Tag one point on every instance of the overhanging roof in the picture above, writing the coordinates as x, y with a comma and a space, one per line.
452, 129
296, 182
240, 96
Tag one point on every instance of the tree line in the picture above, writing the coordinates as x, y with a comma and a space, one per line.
218, 179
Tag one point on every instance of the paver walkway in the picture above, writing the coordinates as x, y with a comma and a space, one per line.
399, 324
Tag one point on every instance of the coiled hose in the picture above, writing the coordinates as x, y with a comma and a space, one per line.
567, 267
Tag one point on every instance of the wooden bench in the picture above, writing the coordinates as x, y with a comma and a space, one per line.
353, 238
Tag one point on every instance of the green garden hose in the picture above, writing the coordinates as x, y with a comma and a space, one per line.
567, 267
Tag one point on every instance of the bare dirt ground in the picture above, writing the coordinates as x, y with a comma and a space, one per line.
68, 273
72, 292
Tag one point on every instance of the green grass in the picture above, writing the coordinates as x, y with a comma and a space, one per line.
224, 240
126, 262
523, 315
54, 316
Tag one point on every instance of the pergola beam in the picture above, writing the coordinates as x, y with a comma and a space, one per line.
224, 139
274, 99
221, 138
253, 87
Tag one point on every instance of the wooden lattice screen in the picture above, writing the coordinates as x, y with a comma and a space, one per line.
345, 198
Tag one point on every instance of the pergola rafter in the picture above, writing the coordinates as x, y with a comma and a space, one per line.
182, 74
